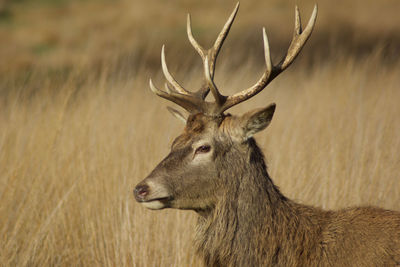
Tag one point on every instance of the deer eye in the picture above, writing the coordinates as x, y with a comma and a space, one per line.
202, 149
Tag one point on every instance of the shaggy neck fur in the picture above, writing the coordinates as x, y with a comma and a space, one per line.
226, 236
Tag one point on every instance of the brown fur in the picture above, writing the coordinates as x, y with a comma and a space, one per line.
246, 221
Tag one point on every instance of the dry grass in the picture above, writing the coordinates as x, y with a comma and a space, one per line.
74, 140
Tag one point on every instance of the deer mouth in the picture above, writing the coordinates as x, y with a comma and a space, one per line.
150, 198
156, 203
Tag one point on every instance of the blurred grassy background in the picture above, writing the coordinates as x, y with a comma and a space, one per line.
79, 126
60, 34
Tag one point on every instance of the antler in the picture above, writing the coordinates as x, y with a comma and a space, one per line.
195, 102
299, 39
213, 52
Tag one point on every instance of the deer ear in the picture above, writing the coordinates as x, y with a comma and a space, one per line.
177, 114
257, 120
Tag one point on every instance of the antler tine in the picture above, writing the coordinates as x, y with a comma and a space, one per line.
268, 75
297, 22
267, 53
219, 99
168, 75
213, 52
200, 50
167, 88
299, 39
204, 90
188, 102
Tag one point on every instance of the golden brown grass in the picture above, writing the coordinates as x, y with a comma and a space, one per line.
75, 141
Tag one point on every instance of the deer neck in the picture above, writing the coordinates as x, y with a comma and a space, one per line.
251, 214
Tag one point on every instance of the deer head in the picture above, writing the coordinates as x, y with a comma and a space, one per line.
190, 177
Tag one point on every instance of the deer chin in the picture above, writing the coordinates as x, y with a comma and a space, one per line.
157, 204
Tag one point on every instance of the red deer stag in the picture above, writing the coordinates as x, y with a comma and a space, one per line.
216, 169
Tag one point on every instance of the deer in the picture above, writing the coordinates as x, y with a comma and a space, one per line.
216, 169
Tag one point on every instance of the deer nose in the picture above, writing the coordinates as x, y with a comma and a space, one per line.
141, 191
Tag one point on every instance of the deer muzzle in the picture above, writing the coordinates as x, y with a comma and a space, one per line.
152, 195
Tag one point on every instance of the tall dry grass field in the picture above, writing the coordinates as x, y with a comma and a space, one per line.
78, 133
